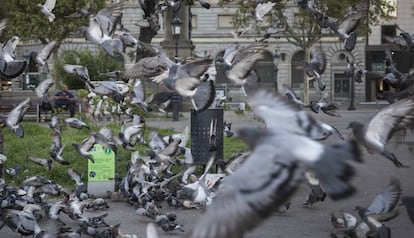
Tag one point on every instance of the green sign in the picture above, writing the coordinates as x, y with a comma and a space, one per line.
104, 167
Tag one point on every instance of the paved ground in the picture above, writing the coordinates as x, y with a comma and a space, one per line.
372, 177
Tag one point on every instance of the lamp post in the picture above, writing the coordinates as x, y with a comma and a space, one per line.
26, 56
176, 30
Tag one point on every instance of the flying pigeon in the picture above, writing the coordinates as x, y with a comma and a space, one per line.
43, 87
248, 196
345, 28
237, 62
405, 41
382, 126
12, 68
316, 67
323, 105
291, 95
47, 9
9, 50
84, 147
384, 205
48, 164
15, 117
101, 28
41, 57
81, 72
75, 123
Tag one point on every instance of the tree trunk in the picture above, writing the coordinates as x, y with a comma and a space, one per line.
305, 77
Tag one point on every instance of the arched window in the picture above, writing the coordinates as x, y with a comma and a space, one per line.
297, 72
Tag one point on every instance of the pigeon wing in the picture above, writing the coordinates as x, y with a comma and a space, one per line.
351, 21
387, 200
318, 62
247, 198
193, 69
50, 4
47, 50
270, 106
146, 68
390, 119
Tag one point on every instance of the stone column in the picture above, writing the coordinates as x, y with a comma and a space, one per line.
185, 46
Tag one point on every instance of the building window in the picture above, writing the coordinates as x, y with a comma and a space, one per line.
387, 30
225, 22
194, 21
297, 72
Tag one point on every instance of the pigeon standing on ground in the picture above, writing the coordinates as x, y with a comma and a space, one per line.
398, 116
316, 194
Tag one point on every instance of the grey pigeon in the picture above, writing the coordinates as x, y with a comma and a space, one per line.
108, 88
384, 205
316, 67
84, 147
43, 87
48, 164
345, 28
237, 62
75, 123
12, 69
317, 194
9, 50
15, 117
81, 72
382, 126
247, 196
101, 27
381, 209
405, 40
43, 55
291, 95
329, 108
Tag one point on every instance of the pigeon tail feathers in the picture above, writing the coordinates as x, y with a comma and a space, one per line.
334, 172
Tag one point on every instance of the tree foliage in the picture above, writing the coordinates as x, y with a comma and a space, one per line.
27, 21
304, 31
96, 63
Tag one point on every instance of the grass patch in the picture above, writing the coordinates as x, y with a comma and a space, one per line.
37, 142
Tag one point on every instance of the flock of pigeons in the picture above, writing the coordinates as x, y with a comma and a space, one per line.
248, 187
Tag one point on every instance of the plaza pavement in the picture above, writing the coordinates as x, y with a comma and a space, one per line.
372, 176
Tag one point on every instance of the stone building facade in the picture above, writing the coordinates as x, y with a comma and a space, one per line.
211, 33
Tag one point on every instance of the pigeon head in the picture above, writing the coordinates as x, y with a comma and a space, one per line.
19, 131
354, 125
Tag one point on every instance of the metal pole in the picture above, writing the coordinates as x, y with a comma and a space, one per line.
1, 152
352, 95
176, 98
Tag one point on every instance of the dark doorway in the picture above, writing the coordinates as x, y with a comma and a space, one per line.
341, 83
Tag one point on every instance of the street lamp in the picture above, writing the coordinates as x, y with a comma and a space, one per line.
176, 31
26, 56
